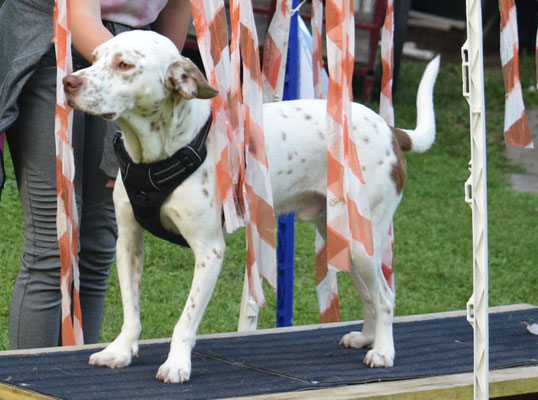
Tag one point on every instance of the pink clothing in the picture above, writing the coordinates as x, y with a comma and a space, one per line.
133, 13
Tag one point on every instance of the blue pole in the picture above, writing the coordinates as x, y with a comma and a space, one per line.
286, 223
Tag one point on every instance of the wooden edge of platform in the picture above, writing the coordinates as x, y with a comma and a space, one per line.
502, 383
404, 318
12, 392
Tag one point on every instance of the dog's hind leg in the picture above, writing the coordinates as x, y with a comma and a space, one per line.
376, 296
364, 338
209, 255
378, 305
129, 262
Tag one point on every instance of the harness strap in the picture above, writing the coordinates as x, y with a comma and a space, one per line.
149, 184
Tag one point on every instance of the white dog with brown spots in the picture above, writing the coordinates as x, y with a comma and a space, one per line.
160, 101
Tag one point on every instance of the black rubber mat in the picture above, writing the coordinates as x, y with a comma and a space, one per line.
278, 362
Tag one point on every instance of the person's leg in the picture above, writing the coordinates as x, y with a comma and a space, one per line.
35, 312
98, 231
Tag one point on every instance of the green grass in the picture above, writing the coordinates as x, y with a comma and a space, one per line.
433, 245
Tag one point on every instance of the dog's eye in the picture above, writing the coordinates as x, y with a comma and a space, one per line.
124, 66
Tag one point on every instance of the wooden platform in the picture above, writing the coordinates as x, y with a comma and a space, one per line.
433, 361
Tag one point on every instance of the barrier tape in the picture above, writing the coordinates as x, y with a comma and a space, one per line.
348, 212
260, 219
516, 127
386, 110
275, 50
67, 218
317, 46
209, 18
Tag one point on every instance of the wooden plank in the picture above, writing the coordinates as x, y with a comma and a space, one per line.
506, 382
10, 392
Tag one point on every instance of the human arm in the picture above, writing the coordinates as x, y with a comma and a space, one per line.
87, 29
173, 21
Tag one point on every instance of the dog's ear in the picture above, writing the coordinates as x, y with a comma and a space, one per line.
185, 77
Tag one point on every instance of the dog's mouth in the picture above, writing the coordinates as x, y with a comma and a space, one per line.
109, 116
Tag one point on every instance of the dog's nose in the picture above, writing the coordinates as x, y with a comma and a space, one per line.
71, 83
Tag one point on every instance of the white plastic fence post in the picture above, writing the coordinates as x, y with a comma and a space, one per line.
476, 195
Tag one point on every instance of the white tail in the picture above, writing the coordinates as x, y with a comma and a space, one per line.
423, 135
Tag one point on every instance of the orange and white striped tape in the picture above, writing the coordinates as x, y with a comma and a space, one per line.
326, 278
260, 220
245, 193
275, 50
209, 19
386, 110
317, 46
67, 218
516, 127
348, 212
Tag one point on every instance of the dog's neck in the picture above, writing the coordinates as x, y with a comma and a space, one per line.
155, 137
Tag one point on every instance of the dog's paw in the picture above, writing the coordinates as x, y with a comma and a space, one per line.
379, 358
111, 359
114, 356
356, 340
174, 371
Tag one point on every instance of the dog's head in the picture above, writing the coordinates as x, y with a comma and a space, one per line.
135, 72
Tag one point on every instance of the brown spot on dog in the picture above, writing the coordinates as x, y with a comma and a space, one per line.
380, 162
154, 126
399, 168
280, 172
290, 171
290, 156
303, 160
205, 177
308, 117
366, 139
205, 192
217, 253
321, 135
402, 138
284, 136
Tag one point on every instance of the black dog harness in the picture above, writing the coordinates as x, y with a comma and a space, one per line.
148, 185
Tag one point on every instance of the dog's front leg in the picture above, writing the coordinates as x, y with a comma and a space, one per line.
209, 257
129, 261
